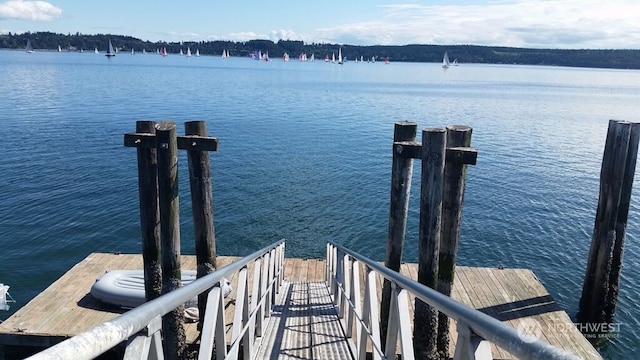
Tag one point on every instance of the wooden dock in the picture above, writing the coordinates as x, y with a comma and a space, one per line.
66, 308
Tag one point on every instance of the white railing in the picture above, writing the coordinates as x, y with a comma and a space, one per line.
141, 327
475, 328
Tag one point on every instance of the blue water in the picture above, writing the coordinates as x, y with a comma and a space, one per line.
305, 154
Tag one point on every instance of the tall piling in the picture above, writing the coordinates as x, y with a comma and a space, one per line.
621, 223
201, 207
433, 162
455, 172
600, 289
174, 336
401, 173
149, 213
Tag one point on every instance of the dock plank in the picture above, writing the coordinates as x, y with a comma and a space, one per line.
304, 325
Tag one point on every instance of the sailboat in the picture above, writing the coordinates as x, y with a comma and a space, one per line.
133, 52
313, 58
29, 48
95, 50
333, 57
285, 57
164, 51
455, 62
386, 60
144, 51
59, 48
110, 51
5, 297
445, 61
340, 55
181, 53
188, 51
225, 54
197, 52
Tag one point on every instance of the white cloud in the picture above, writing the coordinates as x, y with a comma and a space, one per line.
245, 36
29, 10
283, 34
184, 35
520, 23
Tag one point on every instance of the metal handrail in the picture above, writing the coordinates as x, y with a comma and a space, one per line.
103, 337
479, 323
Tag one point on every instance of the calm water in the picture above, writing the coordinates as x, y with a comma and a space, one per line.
305, 154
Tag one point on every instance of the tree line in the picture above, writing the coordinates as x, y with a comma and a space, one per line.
618, 59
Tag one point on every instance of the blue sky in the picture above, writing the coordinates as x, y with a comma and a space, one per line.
574, 24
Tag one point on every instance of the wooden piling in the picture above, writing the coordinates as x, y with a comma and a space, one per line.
401, 172
621, 223
433, 162
172, 324
149, 213
201, 208
455, 173
599, 292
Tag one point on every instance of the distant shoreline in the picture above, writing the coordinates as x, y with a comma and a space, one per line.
612, 59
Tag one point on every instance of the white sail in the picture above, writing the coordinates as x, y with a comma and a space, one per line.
340, 55
110, 51
197, 52
188, 51
29, 48
445, 60
5, 297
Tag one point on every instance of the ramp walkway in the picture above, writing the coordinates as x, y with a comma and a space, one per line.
309, 309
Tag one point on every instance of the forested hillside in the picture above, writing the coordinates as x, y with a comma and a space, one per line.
620, 59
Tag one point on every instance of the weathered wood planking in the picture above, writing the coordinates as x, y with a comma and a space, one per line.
304, 324
65, 308
512, 296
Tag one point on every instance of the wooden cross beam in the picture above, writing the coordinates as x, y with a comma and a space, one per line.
192, 142
455, 155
